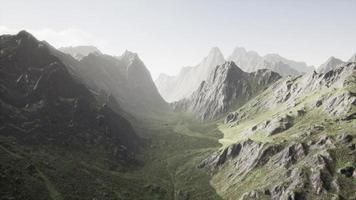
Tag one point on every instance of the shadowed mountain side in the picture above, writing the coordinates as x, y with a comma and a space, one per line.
43, 103
124, 78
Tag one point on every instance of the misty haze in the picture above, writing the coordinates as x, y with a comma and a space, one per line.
177, 100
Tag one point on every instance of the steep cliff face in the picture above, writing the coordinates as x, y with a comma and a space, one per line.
227, 87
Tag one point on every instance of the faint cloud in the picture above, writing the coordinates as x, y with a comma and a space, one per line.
60, 38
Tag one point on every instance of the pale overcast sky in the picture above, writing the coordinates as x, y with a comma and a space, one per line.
170, 34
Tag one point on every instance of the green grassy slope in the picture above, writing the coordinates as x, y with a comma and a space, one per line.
268, 175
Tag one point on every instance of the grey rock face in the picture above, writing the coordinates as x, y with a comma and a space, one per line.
340, 104
242, 157
290, 155
226, 86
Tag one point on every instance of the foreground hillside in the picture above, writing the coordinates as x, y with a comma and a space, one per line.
296, 140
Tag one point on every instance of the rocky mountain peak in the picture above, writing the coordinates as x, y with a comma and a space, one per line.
226, 87
214, 58
228, 70
215, 52
26, 39
25, 35
131, 59
330, 64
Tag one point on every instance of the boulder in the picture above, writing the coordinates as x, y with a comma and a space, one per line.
231, 117
318, 103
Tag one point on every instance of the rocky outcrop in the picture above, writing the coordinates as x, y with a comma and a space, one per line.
338, 105
290, 155
225, 88
242, 157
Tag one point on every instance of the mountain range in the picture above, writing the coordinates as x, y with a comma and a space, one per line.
80, 124
188, 80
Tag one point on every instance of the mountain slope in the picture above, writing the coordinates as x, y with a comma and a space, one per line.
189, 78
293, 141
125, 78
226, 87
52, 125
174, 88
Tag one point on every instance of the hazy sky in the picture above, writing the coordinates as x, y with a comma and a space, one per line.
169, 34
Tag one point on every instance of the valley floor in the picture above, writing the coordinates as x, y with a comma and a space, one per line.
166, 167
